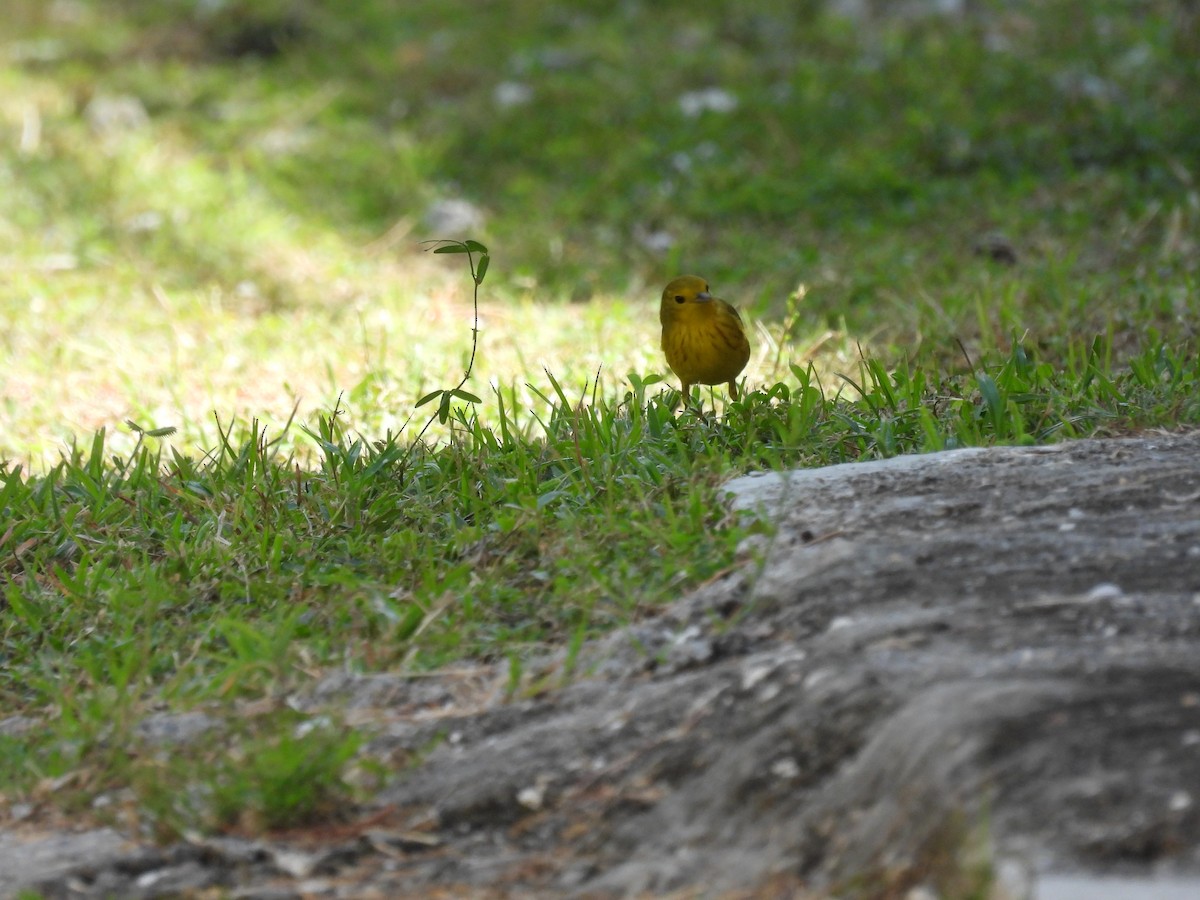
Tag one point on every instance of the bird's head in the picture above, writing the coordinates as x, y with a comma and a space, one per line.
687, 289
684, 296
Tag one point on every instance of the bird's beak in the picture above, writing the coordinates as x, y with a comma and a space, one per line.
704, 295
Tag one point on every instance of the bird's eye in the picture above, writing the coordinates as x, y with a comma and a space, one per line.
679, 298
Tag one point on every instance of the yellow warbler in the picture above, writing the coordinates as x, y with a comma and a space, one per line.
702, 336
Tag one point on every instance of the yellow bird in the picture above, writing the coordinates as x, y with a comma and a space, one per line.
702, 336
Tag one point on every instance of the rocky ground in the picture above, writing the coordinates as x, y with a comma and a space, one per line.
942, 674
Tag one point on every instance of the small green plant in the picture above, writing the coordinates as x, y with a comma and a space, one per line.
271, 772
478, 270
287, 780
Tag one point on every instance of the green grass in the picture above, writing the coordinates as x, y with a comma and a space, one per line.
243, 266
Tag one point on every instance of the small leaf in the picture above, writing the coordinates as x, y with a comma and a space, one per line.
990, 393
427, 398
481, 269
413, 617
161, 432
476, 247
548, 497
451, 248
465, 395
198, 488
444, 407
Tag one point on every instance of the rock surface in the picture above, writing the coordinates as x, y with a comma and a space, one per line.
976, 654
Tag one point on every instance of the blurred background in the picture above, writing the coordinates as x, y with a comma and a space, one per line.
216, 206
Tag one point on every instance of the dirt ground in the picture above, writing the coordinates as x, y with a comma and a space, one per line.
942, 673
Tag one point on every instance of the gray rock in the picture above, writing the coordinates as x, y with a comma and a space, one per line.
27, 861
175, 728
453, 218
109, 115
15, 726
979, 654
